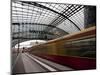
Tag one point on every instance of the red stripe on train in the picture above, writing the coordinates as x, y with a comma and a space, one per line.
73, 62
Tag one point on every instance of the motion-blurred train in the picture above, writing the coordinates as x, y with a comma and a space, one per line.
77, 50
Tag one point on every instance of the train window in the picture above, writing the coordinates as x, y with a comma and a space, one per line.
91, 54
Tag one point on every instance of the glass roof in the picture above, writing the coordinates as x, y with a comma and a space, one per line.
42, 20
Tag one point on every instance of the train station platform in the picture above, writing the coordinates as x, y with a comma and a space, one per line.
52, 37
27, 63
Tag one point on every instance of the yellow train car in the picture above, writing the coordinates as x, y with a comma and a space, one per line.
77, 50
